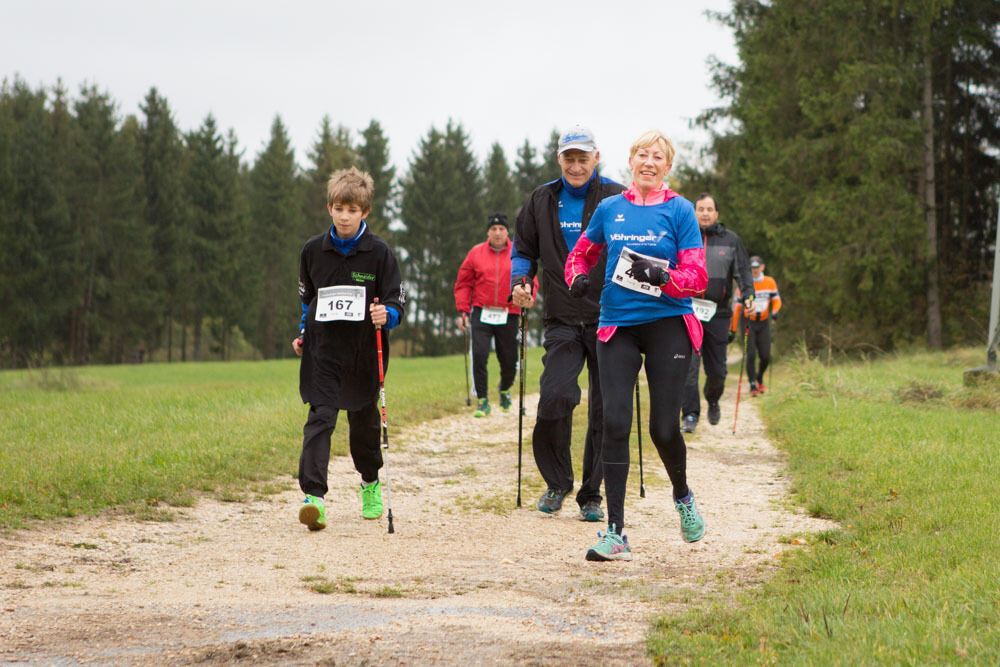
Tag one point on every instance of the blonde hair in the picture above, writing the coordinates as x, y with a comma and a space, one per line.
650, 137
351, 186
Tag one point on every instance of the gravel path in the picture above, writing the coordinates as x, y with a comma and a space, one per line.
466, 578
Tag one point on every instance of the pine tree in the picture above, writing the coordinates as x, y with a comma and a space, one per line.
501, 193
37, 252
166, 215
443, 217
332, 150
276, 232
527, 171
550, 158
373, 155
218, 233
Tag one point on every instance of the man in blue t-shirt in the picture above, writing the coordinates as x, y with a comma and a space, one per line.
549, 224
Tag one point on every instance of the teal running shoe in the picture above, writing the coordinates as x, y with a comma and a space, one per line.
371, 500
611, 546
692, 522
505, 401
483, 409
312, 513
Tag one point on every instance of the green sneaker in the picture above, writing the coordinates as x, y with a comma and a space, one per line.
312, 513
611, 546
483, 409
505, 401
371, 500
692, 522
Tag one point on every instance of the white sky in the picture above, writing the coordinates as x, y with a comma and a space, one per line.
506, 70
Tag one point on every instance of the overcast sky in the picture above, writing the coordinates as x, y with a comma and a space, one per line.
506, 70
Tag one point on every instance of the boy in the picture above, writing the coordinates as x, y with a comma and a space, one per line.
341, 273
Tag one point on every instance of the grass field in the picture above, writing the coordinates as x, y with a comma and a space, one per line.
146, 437
906, 460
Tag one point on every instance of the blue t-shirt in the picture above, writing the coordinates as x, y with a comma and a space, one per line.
658, 231
570, 217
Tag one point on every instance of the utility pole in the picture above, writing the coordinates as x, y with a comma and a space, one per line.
990, 371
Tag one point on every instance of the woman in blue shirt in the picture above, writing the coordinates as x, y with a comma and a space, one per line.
656, 263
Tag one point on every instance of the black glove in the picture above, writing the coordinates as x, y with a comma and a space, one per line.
579, 287
646, 271
732, 336
774, 317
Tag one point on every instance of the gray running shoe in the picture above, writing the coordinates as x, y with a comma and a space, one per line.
689, 424
591, 511
552, 500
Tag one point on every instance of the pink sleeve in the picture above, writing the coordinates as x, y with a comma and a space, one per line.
690, 277
583, 257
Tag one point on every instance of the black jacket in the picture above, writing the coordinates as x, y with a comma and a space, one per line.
725, 260
340, 359
539, 237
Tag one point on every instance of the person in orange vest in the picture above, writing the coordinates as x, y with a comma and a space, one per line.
767, 303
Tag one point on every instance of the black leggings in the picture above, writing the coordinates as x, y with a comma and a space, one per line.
667, 351
759, 343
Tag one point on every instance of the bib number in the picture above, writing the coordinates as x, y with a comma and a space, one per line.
493, 316
760, 305
623, 272
704, 309
341, 302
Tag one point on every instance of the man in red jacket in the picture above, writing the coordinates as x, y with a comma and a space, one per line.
481, 295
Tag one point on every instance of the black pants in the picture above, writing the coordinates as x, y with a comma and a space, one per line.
759, 343
365, 429
713, 356
667, 351
505, 338
567, 348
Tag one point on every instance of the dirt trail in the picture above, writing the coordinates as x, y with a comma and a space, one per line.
466, 578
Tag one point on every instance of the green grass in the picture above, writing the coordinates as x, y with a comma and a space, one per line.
905, 459
145, 438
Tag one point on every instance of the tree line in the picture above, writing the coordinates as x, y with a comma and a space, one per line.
126, 239
857, 151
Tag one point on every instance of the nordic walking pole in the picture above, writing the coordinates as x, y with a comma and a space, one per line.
468, 350
739, 386
385, 429
638, 424
520, 411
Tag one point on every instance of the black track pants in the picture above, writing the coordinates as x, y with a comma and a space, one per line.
713, 356
667, 350
504, 336
365, 430
758, 344
567, 349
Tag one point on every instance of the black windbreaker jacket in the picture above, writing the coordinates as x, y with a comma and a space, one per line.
340, 359
539, 238
725, 260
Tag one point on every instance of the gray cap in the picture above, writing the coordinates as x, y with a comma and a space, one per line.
756, 262
577, 138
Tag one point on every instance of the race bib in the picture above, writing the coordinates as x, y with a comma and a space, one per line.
341, 302
704, 309
493, 316
623, 272
760, 305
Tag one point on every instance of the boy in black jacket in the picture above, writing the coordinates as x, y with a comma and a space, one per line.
341, 273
